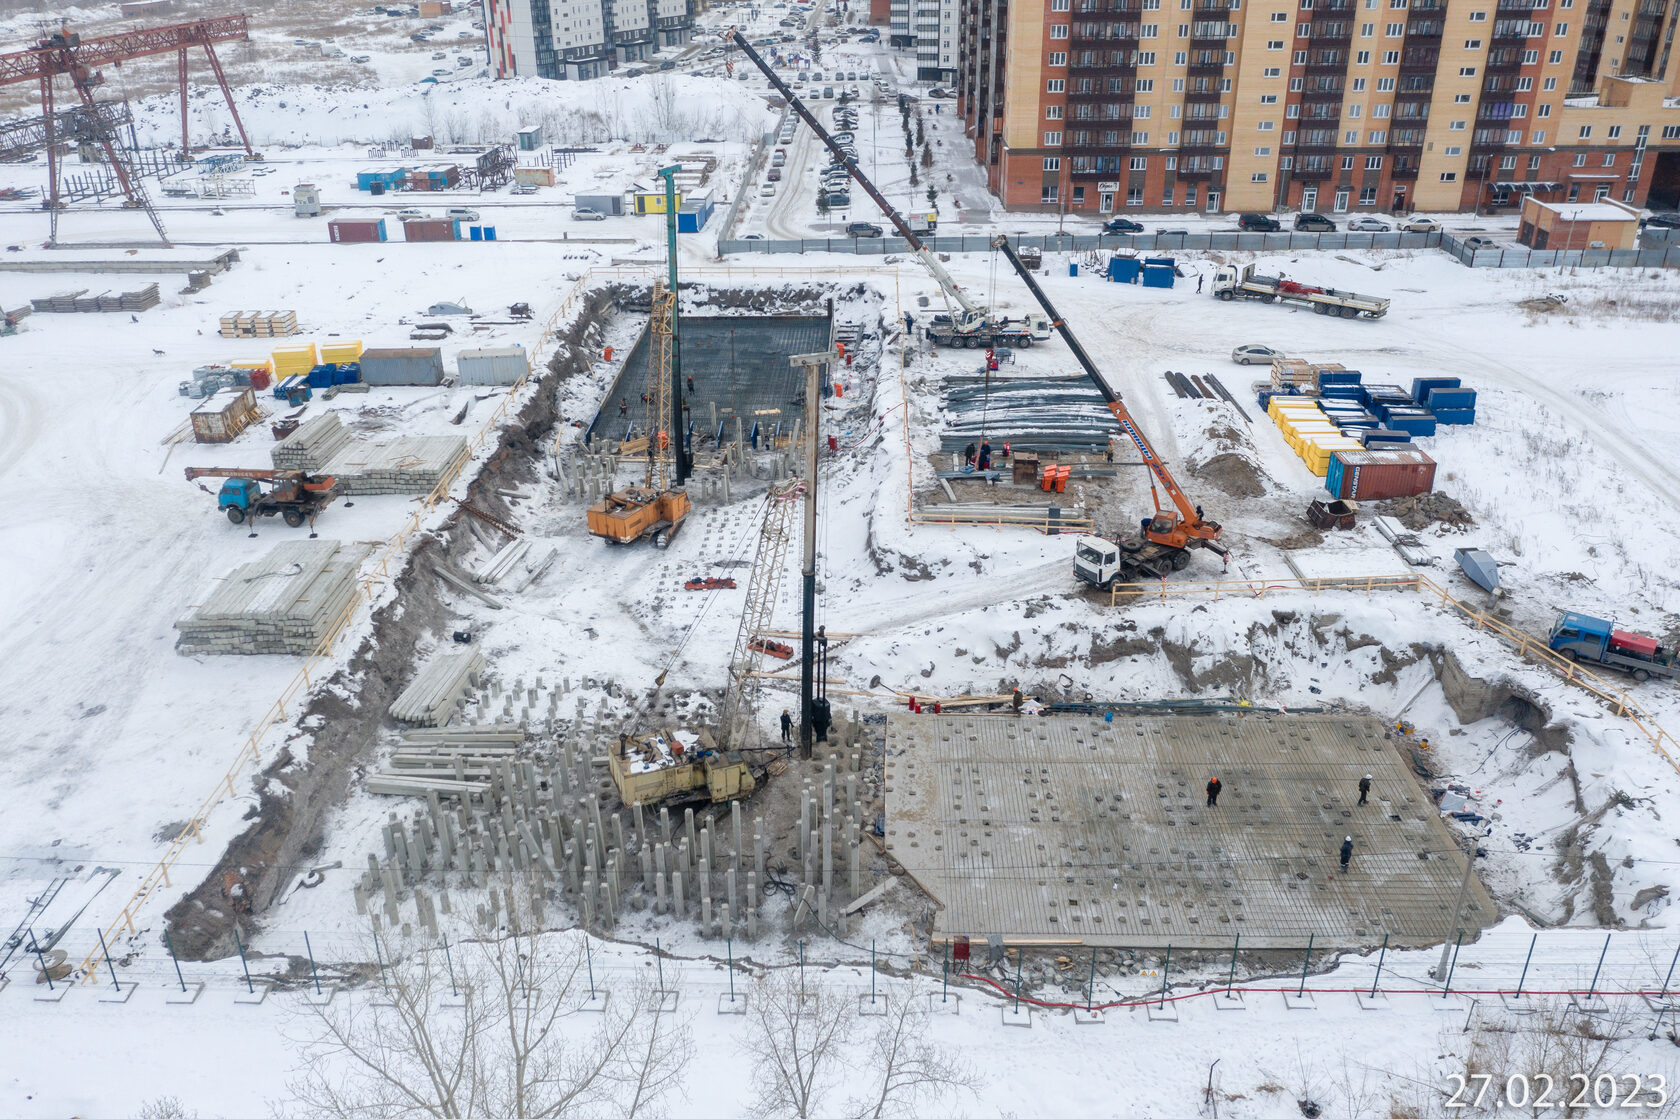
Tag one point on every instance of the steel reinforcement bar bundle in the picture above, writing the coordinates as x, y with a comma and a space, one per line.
1030, 413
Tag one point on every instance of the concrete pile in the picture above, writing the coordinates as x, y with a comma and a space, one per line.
438, 690
413, 464
497, 821
312, 445
286, 602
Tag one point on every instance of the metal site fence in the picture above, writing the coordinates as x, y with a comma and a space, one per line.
1520, 256
1630, 974
1092, 242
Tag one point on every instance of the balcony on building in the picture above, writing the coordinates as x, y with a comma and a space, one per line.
1200, 166
1207, 61
1321, 62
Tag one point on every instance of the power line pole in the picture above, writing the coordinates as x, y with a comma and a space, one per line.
1457, 921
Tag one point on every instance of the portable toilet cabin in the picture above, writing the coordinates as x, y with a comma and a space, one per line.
306, 200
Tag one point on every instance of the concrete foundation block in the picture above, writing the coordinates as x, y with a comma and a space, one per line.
947, 1002
596, 1004
1232, 1001
1296, 1001
872, 1007
1669, 1004
665, 1002
1017, 1014
737, 1005
55, 993
1368, 1001
176, 996
1084, 1017
455, 1001
118, 994
253, 997
1449, 1003
1162, 1012
1585, 1004
319, 998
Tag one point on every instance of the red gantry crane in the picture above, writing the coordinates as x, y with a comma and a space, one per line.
79, 59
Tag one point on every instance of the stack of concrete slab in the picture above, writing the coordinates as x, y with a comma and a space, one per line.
447, 760
286, 602
437, 690
312, 445
413, 464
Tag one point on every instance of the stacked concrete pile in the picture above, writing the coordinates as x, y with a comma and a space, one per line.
413, 464
312, 445
286, 602
551, 822
438, 690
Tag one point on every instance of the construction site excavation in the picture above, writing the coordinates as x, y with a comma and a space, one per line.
676, 560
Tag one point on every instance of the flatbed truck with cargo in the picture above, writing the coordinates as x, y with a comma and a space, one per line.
1595, 641
992, 335
1229, 283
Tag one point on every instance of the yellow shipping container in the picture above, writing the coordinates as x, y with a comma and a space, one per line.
340, 352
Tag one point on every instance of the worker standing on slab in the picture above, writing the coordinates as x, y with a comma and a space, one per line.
1213, 787
787, 726
1347, 852
1365, 789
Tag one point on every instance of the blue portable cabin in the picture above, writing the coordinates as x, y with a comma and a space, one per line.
1159, 272
1124, 269
694, 213
1422, 386
389, 180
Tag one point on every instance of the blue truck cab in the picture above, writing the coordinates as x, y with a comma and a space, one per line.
1582, 637
237, 493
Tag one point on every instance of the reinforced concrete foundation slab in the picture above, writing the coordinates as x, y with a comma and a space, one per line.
1068, 830
1298, 1001
665, 1002
872, 1008
948, 1003
255, 996
1162, 1012
54, 993
178, 997
1084, 1017
1519, 1004
1020, 1015
737, 1005
1368, 1001
1232, 1001
594, 1005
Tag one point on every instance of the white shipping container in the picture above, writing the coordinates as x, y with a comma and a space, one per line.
502, 365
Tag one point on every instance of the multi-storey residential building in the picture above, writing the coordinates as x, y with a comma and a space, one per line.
579, 39
930, 27
1216, 105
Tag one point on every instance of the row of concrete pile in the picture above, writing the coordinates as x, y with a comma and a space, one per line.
410, 464
439, 689
312, 445
546, 825
285, 602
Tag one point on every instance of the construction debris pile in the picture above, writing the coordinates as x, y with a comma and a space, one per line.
285, 602
81, 302
1048, 414
496, 808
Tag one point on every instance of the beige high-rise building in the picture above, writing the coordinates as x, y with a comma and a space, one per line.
1105, 106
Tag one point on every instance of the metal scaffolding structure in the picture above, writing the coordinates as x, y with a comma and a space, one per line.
19, 138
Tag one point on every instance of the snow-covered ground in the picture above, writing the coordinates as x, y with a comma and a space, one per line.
113, 739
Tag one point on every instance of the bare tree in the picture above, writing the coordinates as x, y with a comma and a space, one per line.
798, 1032
516, 1047
912, 1072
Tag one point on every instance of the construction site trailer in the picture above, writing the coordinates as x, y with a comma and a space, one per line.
412, 366
432, 229
223, 415
600, 203
501, 365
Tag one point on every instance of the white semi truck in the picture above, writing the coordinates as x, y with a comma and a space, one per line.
1229, 283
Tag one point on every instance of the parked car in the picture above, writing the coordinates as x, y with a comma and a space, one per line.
1663, 221
1420, 225
1121, 225
773, 175
1172, 233
753, 237
1314, 223
1369, 225
1476, 243
842, 138
864, 229
442, 73
439, 56
587, 213
828, 92
1258, 223
461, 213
1255, 354
410, 214
768, 190
524, 188
460, 62
838, 198
940, 91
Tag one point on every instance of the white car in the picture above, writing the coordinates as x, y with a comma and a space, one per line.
1368, 225
584, 213
460, 213
1420, 225
768, 190
411, 212
1254, 354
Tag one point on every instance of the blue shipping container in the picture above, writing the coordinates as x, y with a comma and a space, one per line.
1158, 274
1376, 437
1338, 377
1456, 417
347, 373
1422, 385
1417, 426
1124, 269
320, 377
1449, 398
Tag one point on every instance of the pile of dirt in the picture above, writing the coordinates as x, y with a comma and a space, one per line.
1426, 509
1233, 474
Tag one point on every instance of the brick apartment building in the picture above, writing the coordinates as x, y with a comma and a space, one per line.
1101, 106
575, 40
